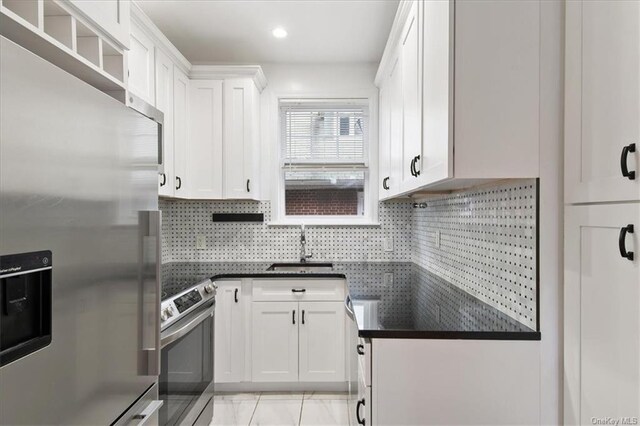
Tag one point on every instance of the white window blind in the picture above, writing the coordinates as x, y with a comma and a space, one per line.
321, 133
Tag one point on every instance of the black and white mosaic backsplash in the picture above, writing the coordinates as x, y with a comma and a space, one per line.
183, 220
484, 242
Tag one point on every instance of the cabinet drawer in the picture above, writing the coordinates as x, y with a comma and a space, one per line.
273, 290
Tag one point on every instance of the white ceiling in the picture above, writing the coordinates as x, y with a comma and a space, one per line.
239, 31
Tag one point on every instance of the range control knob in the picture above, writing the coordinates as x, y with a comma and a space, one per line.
169, 311
163, 316
209, 288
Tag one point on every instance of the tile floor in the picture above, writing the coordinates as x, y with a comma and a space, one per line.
282, 409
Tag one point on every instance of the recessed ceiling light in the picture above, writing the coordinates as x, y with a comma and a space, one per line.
279, 32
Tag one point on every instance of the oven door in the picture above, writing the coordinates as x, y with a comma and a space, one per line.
186, 377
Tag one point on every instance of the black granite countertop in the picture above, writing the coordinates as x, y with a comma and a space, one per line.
390, 300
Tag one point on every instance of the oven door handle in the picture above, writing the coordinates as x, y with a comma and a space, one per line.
190, 325
348, 306
146, 414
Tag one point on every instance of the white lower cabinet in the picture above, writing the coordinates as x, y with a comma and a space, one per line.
602, 313
229, 333
298, 341
452, 382
274, 356
321, 342
280, 331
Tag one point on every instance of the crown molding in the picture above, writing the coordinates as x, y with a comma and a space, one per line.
159, 39
394, 38
205, 72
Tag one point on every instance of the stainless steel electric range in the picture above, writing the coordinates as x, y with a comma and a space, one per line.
186, 377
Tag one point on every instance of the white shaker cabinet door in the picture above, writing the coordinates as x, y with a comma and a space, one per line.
229, 333
164, 102
274, 336
141, 59
602, 312
384, 141
411, 77
602, 105
180, 132
322, 340
241, 129
205, 139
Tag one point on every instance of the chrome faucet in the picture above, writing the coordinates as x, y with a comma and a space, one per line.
303, 246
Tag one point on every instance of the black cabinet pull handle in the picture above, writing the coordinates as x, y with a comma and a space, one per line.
293, 316
384, 183
621, 242
624, 159
179, 185
358, 405
235, 295
298, 290
415, 169
164, 179
303, 317
248, 187
360, 349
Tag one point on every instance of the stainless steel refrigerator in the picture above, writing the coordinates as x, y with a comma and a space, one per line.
79, 267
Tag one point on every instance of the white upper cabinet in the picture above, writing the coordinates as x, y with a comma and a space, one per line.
496, 84
223, 139
601, 312
180, 132
142, 64
384, 141
469, 69
164, 102
436, 161
112, 16
205, 140
390, 117
241, 143
211, 117
602, 101
411, 78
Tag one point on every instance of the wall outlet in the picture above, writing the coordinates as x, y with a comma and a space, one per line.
388, 279
201, 242
438, 238
388, 244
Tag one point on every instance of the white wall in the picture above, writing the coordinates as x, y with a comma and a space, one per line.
313, 80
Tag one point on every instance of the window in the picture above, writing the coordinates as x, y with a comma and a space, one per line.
324, 159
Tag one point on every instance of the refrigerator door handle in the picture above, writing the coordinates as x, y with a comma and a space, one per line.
150, 288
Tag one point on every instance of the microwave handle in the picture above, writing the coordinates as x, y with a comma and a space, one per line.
150, 281
160, 148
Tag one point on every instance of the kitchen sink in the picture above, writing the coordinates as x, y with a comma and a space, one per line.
302, 267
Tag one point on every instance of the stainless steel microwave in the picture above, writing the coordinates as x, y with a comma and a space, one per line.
136, 103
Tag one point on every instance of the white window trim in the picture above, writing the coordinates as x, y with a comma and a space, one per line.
371, 188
